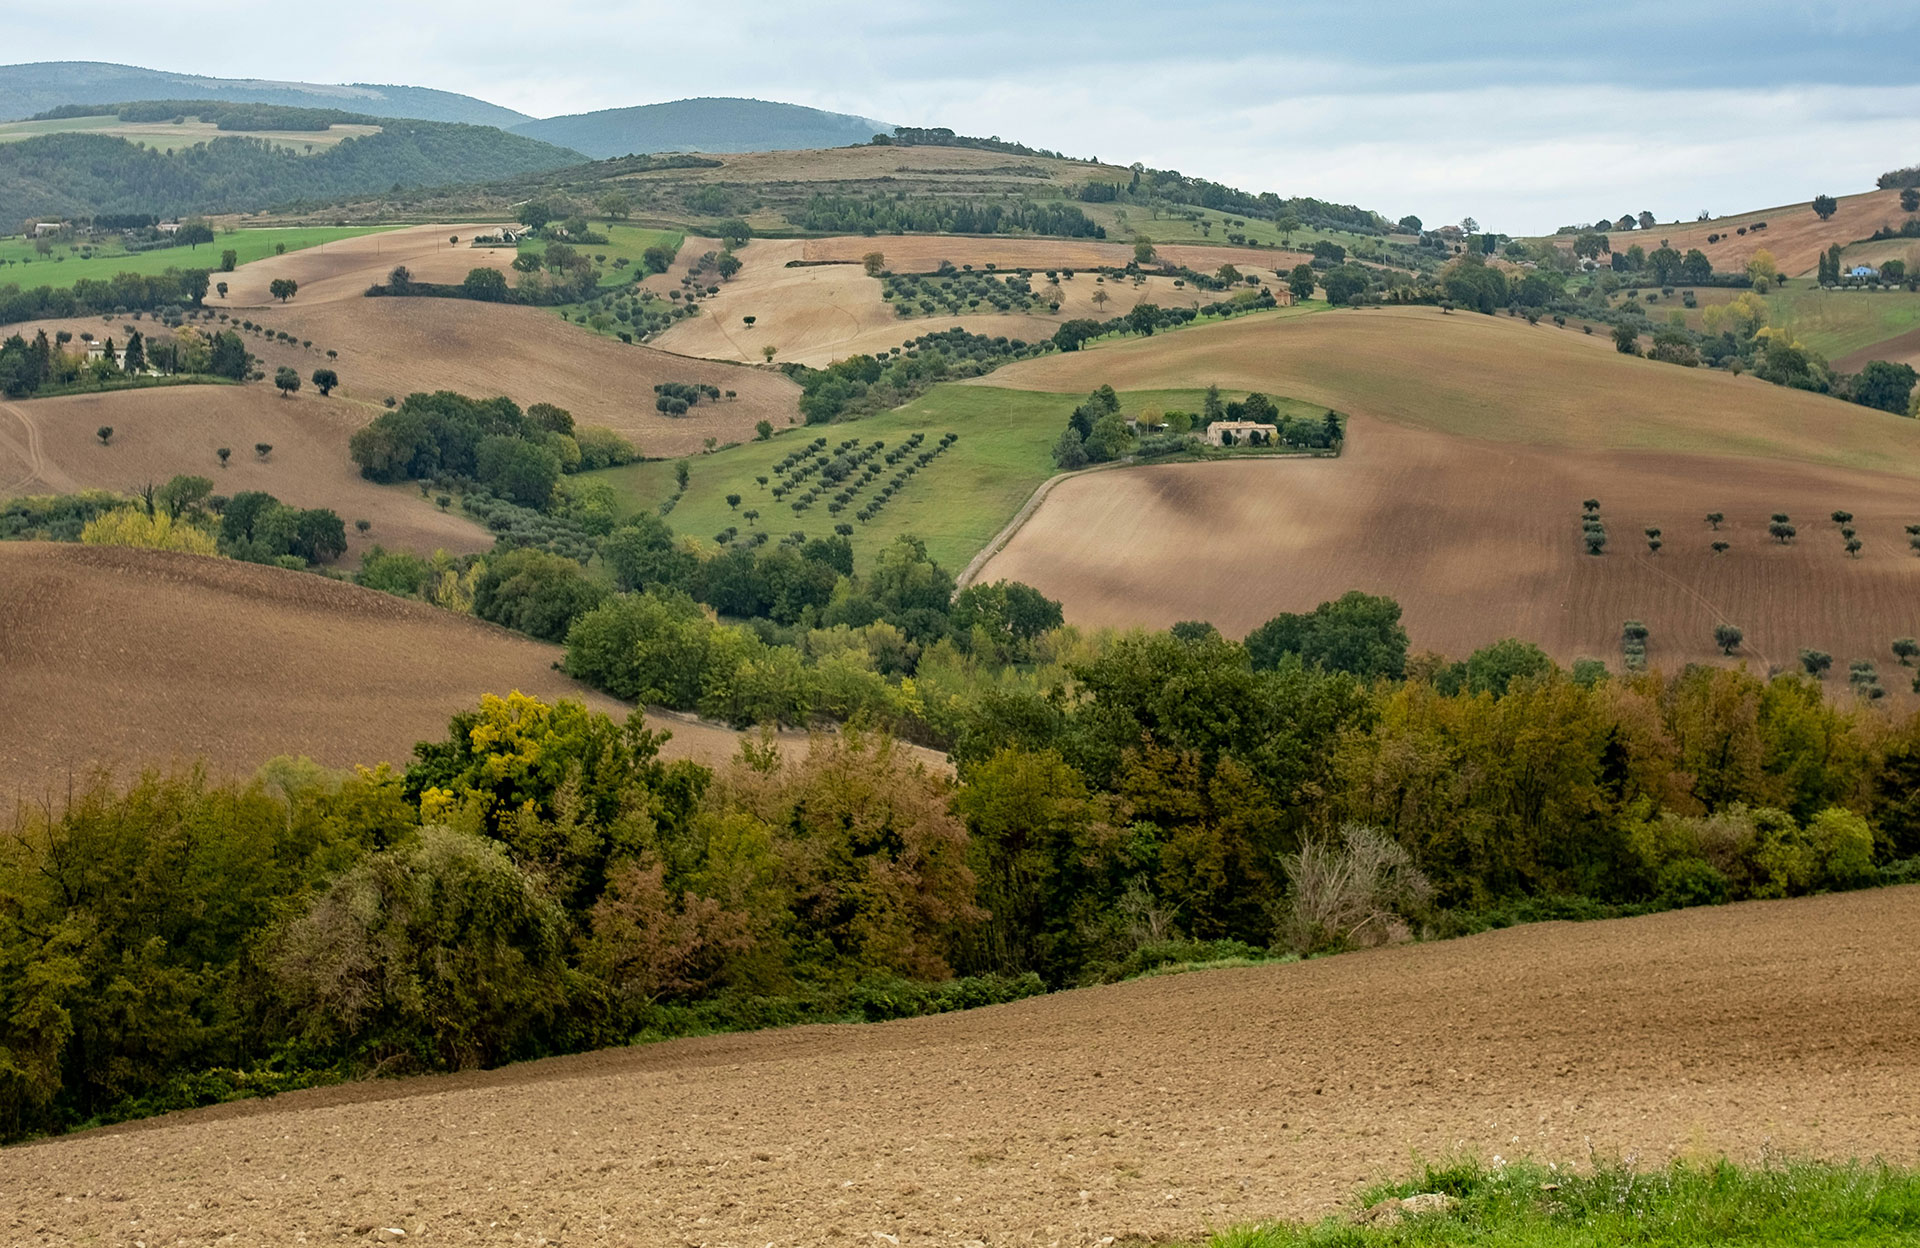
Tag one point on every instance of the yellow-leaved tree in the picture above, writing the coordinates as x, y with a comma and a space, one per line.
130, 526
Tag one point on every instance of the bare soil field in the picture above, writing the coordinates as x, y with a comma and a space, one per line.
1154, 1109
818, 313
126, 658
1480, 541
341, 271
921, 168
1794, 235
922, 253
1490, 377
392, 347
47, 446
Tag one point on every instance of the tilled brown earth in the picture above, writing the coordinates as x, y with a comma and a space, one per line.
1157, 1108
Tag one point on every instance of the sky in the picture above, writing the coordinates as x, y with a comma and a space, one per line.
1525, 116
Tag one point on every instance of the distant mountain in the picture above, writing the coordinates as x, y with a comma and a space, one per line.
703, 125
29, 89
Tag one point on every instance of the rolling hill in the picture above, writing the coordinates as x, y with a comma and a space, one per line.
702, 125
81, 174
125, 658
1473, 442
35, 88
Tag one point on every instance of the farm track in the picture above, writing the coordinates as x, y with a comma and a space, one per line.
1153, 1109
29, 453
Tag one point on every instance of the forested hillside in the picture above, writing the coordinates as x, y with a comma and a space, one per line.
29, 89
704, 125
84, 175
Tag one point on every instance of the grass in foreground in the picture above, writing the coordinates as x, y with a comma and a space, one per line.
956, 504
22, 265
1683, 1206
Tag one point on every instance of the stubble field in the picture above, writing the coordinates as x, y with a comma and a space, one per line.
1134, 1113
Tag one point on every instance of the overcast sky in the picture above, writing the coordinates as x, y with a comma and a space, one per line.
1525, 115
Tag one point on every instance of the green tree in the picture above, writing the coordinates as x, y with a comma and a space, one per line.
1301, 281
324, 380
441, 948
1880, 384
1626, 339
538, 593
1728, 637
229, 260
1356, 633
517, 470
1493, 669
643, 554
486, 285
283, 288
286, 381
1824, 206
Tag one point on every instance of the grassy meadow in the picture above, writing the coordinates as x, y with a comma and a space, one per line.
21, 264
956, 504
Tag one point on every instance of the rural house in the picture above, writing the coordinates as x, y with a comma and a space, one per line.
1241, 433
1864, 270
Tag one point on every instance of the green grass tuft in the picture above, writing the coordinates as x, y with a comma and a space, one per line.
1683, 1206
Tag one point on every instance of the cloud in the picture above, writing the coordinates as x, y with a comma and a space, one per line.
1521, 114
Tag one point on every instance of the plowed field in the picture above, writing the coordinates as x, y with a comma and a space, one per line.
127, 658
48, 446
1162, 1107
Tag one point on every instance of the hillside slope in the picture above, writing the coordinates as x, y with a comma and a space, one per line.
1139, 1113
78, 174
128, 658
35, 88
702, 125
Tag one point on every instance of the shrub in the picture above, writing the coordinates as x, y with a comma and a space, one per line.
1359, 892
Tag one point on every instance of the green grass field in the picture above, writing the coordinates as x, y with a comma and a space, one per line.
22, 265
1834, 323
1684, 1206
624, 242
956, 504
1124, 222
1839, 322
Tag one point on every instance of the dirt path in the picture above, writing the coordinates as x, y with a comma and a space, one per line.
1161, 1107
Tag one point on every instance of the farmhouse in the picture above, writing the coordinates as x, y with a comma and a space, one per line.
1241, 433
1864, 270
43, 228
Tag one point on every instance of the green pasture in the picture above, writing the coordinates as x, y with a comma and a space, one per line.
956, 504
22, 264
624, 242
